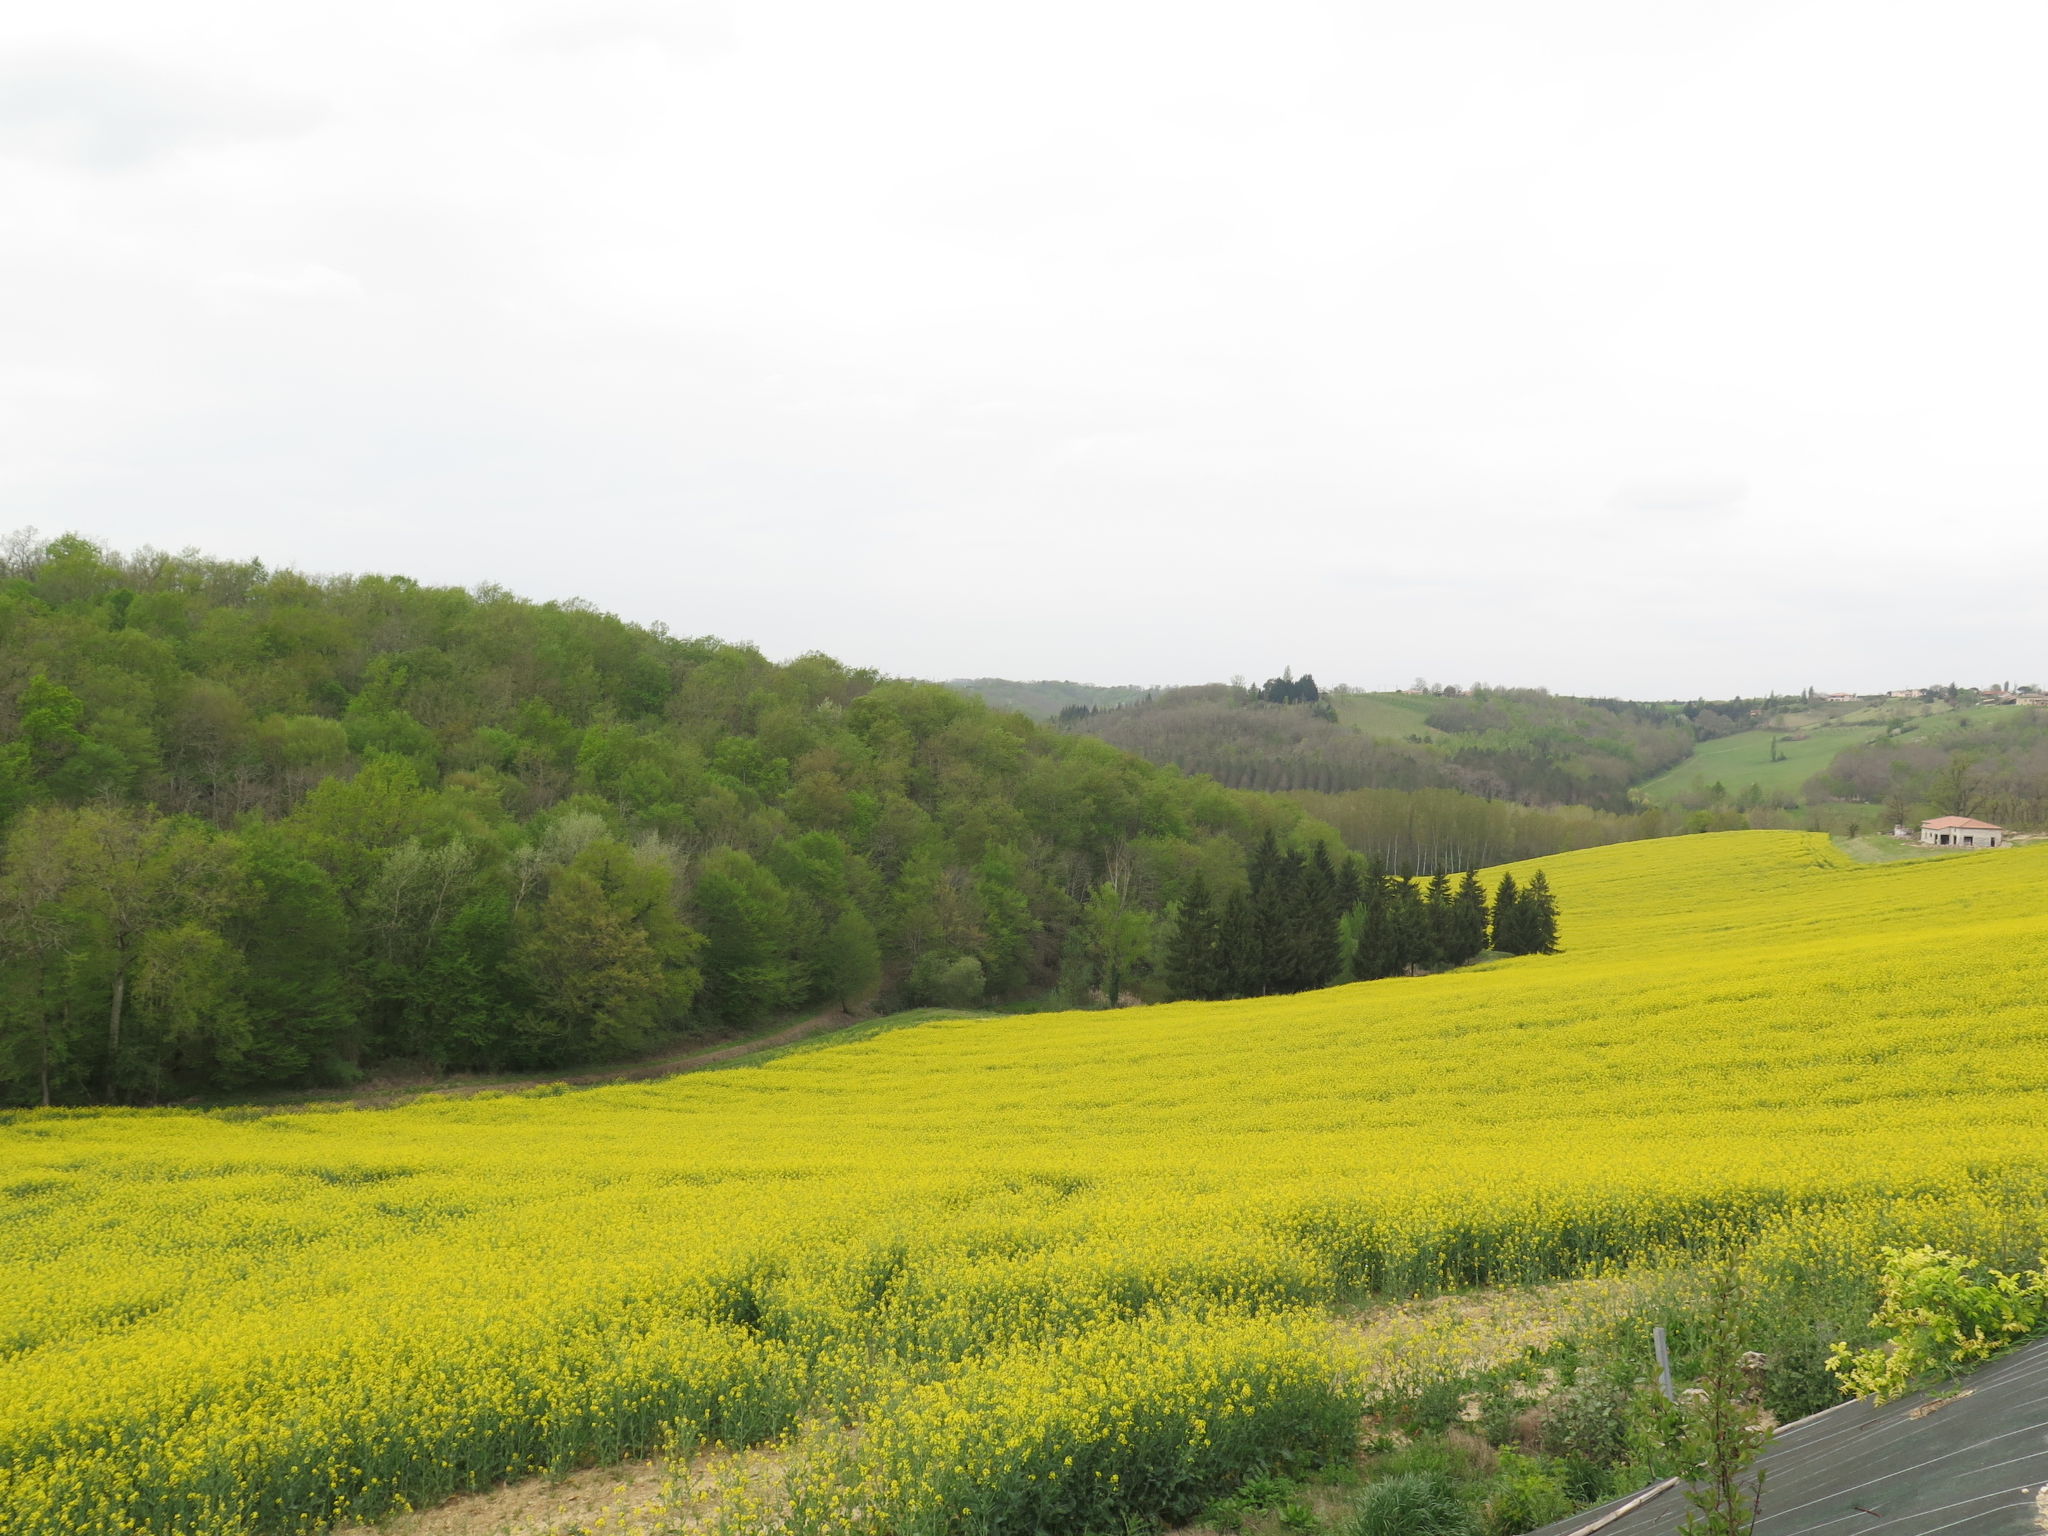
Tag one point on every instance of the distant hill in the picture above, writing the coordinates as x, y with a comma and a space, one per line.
1520, 744
1045, 699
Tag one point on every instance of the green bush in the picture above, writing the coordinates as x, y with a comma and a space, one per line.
1524, 1496
1941, 1317
1412, 1504
1588, 1420
946, 981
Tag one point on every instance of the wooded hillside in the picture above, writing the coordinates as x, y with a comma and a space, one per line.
264, 828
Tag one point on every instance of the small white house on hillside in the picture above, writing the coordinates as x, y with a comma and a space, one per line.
1962, 832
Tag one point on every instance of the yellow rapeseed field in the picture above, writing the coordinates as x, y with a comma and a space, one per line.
1056, 1266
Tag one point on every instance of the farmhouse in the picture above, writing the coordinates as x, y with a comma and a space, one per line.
1962, 832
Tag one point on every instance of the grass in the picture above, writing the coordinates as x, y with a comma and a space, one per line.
1744, 759
997, 1243
1870, 849
1397, 715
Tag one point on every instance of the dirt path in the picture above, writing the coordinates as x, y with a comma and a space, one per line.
693, 1058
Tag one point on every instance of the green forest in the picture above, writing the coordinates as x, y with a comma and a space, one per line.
265, 830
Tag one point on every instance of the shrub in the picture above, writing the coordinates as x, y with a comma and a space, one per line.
946, 981
1587, 1420
1524, 1496
1941, 1318
1412, 1504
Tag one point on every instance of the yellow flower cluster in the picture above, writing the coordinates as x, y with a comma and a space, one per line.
996, 1244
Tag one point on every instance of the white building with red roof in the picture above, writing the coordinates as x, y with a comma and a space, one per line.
1962, 832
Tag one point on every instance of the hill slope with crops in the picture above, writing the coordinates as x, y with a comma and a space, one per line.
1061, 1269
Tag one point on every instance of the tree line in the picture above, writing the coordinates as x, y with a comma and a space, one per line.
1303, 920
262, 830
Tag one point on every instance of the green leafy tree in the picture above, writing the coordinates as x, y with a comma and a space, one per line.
125, 875
941, 980
849, 964
62, 759
1942, 1313
745, 916
293, 935
608, 962
188, 990
1724, 1432
37, 1029
1119, 938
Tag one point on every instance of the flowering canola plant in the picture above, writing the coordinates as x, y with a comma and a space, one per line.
1057, 1268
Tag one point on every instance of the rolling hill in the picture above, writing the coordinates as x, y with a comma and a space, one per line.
1063, 1270
1044, 700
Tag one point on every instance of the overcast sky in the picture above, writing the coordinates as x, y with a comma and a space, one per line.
1651, 347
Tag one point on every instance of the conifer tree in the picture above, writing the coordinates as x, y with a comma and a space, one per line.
1192, 959
1350, 884
1410, 942
1469, 921
1540, 907
1276, 901
1314, 946
1375, 955
1261, 866
1437, 900
1237, 949
1506, 916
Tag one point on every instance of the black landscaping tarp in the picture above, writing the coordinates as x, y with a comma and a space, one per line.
1968, 1458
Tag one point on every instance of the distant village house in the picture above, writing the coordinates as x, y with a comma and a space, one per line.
1961, 832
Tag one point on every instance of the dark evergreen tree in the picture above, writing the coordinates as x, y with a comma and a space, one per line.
1289, 689
1506, 916
1262, 864
1540, 917
1437, 899
1237, 948
1373, 957
1314, 944
1350, 883
1193, 958
1410, 938
1469, 921
1276, 912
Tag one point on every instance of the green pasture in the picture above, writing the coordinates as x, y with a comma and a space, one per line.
1398, 715
1745, 758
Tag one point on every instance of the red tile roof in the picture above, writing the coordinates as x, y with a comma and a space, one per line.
1943, 823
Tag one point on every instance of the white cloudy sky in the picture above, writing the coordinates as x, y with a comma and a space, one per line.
1649, 346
